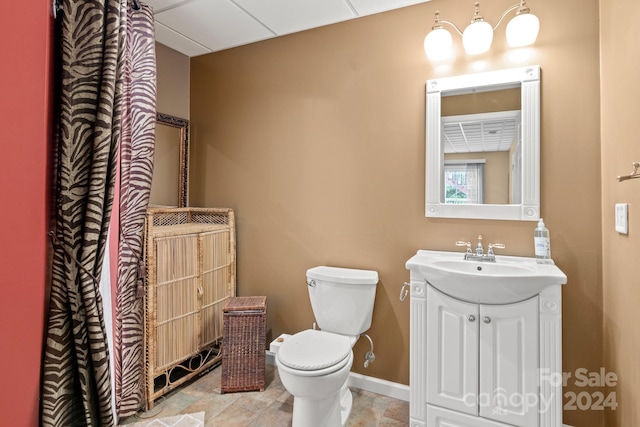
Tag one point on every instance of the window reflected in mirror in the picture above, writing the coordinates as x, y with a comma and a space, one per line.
463, 181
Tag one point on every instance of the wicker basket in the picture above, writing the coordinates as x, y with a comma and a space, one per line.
243, 350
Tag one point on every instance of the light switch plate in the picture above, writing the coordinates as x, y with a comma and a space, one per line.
622, 218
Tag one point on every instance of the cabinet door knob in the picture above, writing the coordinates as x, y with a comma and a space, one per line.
471, 318
486, 319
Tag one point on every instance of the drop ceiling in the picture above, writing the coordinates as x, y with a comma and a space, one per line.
478, 133
197, 27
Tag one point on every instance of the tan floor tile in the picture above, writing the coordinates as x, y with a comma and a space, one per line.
272, 407
388, 422
212, 404
278, 415
397, 410
232, 416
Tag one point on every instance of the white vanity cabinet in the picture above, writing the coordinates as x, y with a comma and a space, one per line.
492, 359
487, 358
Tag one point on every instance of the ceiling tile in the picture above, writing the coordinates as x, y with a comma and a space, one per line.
178, 42
289, 16
158, 5
368, 7
215, 24
195, 27
493, 132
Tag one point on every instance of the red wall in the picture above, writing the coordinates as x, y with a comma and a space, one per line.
25, 140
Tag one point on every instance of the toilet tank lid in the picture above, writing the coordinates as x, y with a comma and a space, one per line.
343, 275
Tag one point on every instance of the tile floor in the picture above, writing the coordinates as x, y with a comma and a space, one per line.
272, 407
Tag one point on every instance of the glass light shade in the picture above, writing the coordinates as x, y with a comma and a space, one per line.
522, 30
477, 37
437, 44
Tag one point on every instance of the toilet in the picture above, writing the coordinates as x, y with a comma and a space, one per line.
314, 365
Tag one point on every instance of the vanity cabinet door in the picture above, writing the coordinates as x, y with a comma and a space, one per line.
509, 362
440, 417
452, 352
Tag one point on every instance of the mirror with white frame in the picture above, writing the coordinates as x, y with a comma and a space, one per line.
483, 145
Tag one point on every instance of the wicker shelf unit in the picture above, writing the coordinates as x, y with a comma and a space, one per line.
191, 273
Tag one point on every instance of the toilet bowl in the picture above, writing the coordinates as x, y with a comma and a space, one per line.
314, 365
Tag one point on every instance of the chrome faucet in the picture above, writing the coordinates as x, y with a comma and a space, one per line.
479, 255
468, 252
479, 249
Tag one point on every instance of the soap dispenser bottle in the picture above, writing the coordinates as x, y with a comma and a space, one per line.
542, 243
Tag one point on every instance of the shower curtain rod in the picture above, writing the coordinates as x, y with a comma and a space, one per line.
56, 8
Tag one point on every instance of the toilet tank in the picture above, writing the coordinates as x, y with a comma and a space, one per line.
342, 298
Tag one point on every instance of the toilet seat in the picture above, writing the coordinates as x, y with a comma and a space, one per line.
315, 352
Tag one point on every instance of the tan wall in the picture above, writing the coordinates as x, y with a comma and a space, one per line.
317, 140
620, 33
481, 102
173, 81
173, 70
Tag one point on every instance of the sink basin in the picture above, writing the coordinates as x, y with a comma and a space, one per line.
509, 279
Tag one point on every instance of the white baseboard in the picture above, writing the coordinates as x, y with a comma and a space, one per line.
364, 382
376, 385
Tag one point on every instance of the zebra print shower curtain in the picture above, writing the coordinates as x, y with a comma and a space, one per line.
136, 169
93, 49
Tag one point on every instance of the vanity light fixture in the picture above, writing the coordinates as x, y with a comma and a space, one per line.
522, 30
